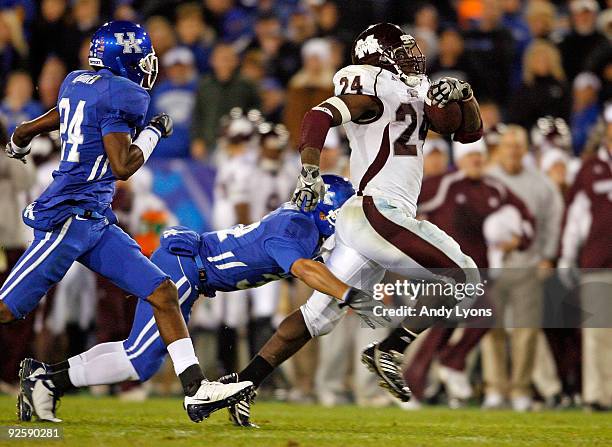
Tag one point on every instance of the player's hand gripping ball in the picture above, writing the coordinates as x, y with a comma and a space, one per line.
446, 90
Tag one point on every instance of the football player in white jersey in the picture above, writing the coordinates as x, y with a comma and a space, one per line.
384, 101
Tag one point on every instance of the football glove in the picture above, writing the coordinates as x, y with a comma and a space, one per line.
18, 155
163, 123
310, 188
363, 304
446, 90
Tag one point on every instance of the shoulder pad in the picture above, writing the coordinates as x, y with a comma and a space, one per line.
357, 79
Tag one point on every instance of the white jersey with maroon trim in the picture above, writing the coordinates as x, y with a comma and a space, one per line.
386, 150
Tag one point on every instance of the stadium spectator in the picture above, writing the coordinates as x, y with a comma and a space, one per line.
543, 90
281, 57
176, 96
230, 22
162, 34
13, 46
86, 14
309, 86
490, 47
50, 80
578, 45
540, 17
585, 108
586, 245
435, 156
451, 60
517, 286
218, 93
193, 32
272, 99
18, 105
53, 34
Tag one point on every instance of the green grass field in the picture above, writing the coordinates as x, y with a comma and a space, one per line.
161, 422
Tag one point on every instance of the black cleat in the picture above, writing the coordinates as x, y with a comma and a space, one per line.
387, 366
28, 368
213, 396
240, 413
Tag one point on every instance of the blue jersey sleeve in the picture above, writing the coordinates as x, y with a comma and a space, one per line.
298, 238
127, 108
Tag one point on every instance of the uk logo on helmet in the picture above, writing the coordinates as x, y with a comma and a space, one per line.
130, 44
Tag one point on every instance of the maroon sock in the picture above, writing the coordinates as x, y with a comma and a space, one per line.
454, 356
416, 373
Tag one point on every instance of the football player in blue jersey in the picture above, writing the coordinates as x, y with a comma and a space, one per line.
282, 244
97, 114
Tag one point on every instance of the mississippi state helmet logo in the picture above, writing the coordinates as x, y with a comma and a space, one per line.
131, 44
369, 45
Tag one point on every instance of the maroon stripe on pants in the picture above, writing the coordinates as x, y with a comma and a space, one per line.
379, 162
423, 252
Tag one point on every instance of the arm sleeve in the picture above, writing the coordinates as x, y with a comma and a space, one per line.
127, 107
576, 219
552, 225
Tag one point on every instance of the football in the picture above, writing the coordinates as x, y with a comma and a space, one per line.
444, 120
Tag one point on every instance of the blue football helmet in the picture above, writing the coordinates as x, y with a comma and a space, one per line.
337, 191
125, 48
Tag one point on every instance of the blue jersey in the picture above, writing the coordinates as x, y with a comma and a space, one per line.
238, 258
91, 105
248, 256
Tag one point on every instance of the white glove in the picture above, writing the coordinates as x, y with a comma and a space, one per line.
14, 151
446, 90
363, 304
310, 188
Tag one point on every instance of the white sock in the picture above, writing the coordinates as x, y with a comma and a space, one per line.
104, 364
182, 354
97, 350
105, 369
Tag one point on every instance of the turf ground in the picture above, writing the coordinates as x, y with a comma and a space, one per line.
161, 422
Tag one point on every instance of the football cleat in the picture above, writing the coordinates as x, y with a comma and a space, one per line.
240, 413
387, 366
28, 368
37, 397
212, 396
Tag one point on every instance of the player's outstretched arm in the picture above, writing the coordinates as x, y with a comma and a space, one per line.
126, 157
316, 275
317, 121
19, 144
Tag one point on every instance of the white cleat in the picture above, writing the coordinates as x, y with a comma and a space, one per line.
456, 383
38, 397
213, 396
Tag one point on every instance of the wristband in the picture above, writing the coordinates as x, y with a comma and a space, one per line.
147, 140
18, 149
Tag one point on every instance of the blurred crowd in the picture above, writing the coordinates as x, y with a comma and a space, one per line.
237, 77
